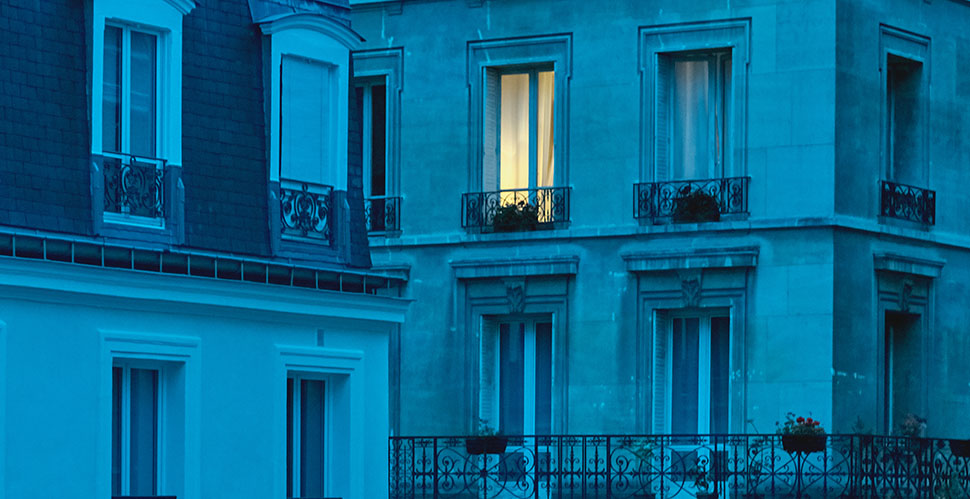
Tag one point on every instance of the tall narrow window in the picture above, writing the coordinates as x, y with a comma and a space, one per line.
520, 125
517, 377
698, 374
902, 371
903, 125
134, 433
308, 96
130, 117
697, 104
381, 210
305, 437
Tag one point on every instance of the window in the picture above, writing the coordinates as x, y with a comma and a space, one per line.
694, 365
308, 94
516, 377
306, 440
522, 103
697, 104
381, 208
134, 431
903, 118
902, 368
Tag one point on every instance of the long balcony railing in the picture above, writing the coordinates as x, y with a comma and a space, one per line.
305, 210
134, 185
907, 202
516, 209
684, 466
382, 214
690, 200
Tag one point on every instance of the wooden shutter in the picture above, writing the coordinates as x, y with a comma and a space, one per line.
661, 325
661, 129
490, 125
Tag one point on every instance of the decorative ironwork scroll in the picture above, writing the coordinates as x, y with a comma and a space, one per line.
661, 200
305, 209
382, 213
907, 202
539, 208
134, 186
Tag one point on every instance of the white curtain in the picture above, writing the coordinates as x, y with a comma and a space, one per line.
690, 157
514, 147
545, 125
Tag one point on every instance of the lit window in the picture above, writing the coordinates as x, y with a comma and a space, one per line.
134, 431
697, 105
305, 437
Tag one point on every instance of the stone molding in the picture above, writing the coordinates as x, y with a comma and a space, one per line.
697, 258
511, 267
892, 262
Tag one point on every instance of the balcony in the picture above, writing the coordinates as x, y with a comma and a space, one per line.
680, 466
134, 188
305, 210
683, 201
513, 210
907, 203
382, 214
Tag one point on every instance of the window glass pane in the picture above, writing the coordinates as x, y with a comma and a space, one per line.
312, 438
723, 117
378, 140
903, 88
546, 129
684, 366
143, 78
691, 134
117, 374
511, 378
305, 133
543, 378
514, 134
111, 105
143, 431
720, 372
289, 437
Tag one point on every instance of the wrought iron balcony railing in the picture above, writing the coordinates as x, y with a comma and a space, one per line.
382, 213
690, 200
516, 209
305, 210
134, 185
907, 202
680, 466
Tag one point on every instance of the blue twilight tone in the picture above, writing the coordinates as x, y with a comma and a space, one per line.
187, 305
657, 217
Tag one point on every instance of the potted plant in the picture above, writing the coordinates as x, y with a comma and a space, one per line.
696, 206
521, 216
800, 434
913, 427
486, 442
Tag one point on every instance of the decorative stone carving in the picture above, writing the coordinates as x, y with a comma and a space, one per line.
515, 293
905, 296
691, 290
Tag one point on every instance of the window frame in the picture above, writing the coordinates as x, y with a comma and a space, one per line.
294, 478
895, 42
731, 35
125, 460
367, 84
705, 347
546, 50
532, 71
387, 64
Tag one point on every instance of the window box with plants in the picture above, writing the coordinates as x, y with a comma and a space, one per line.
696, 207
487, 441
801, 435
516, 217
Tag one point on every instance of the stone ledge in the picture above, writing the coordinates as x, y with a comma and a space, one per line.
892, 262
697, 258
513, 267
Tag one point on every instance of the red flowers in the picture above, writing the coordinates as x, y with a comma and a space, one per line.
800, 420
800, 426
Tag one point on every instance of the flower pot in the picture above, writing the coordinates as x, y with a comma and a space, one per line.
960, 448
803, 443
485, 445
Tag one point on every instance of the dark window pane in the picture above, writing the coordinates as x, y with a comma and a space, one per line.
720, 372
143, 431
543, 378
511, 378
117, 374
684, 366
111, 100
378, 139
143, 78
289, 437
312, 438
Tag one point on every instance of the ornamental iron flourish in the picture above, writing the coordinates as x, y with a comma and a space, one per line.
539, 208
134, 186
678, 466
305, 209
659, 201
907, 202
382, 213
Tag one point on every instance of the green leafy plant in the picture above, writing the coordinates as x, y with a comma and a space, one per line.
696, 206
911, 426
484, 429
519, 216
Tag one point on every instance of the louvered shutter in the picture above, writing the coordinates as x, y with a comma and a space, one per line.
661, 325
490, 125
661, 129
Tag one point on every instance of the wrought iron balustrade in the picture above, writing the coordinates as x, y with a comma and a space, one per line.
679, 466
134, 185
305, 209
382, 213
537, 208
907, 202
666, 200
